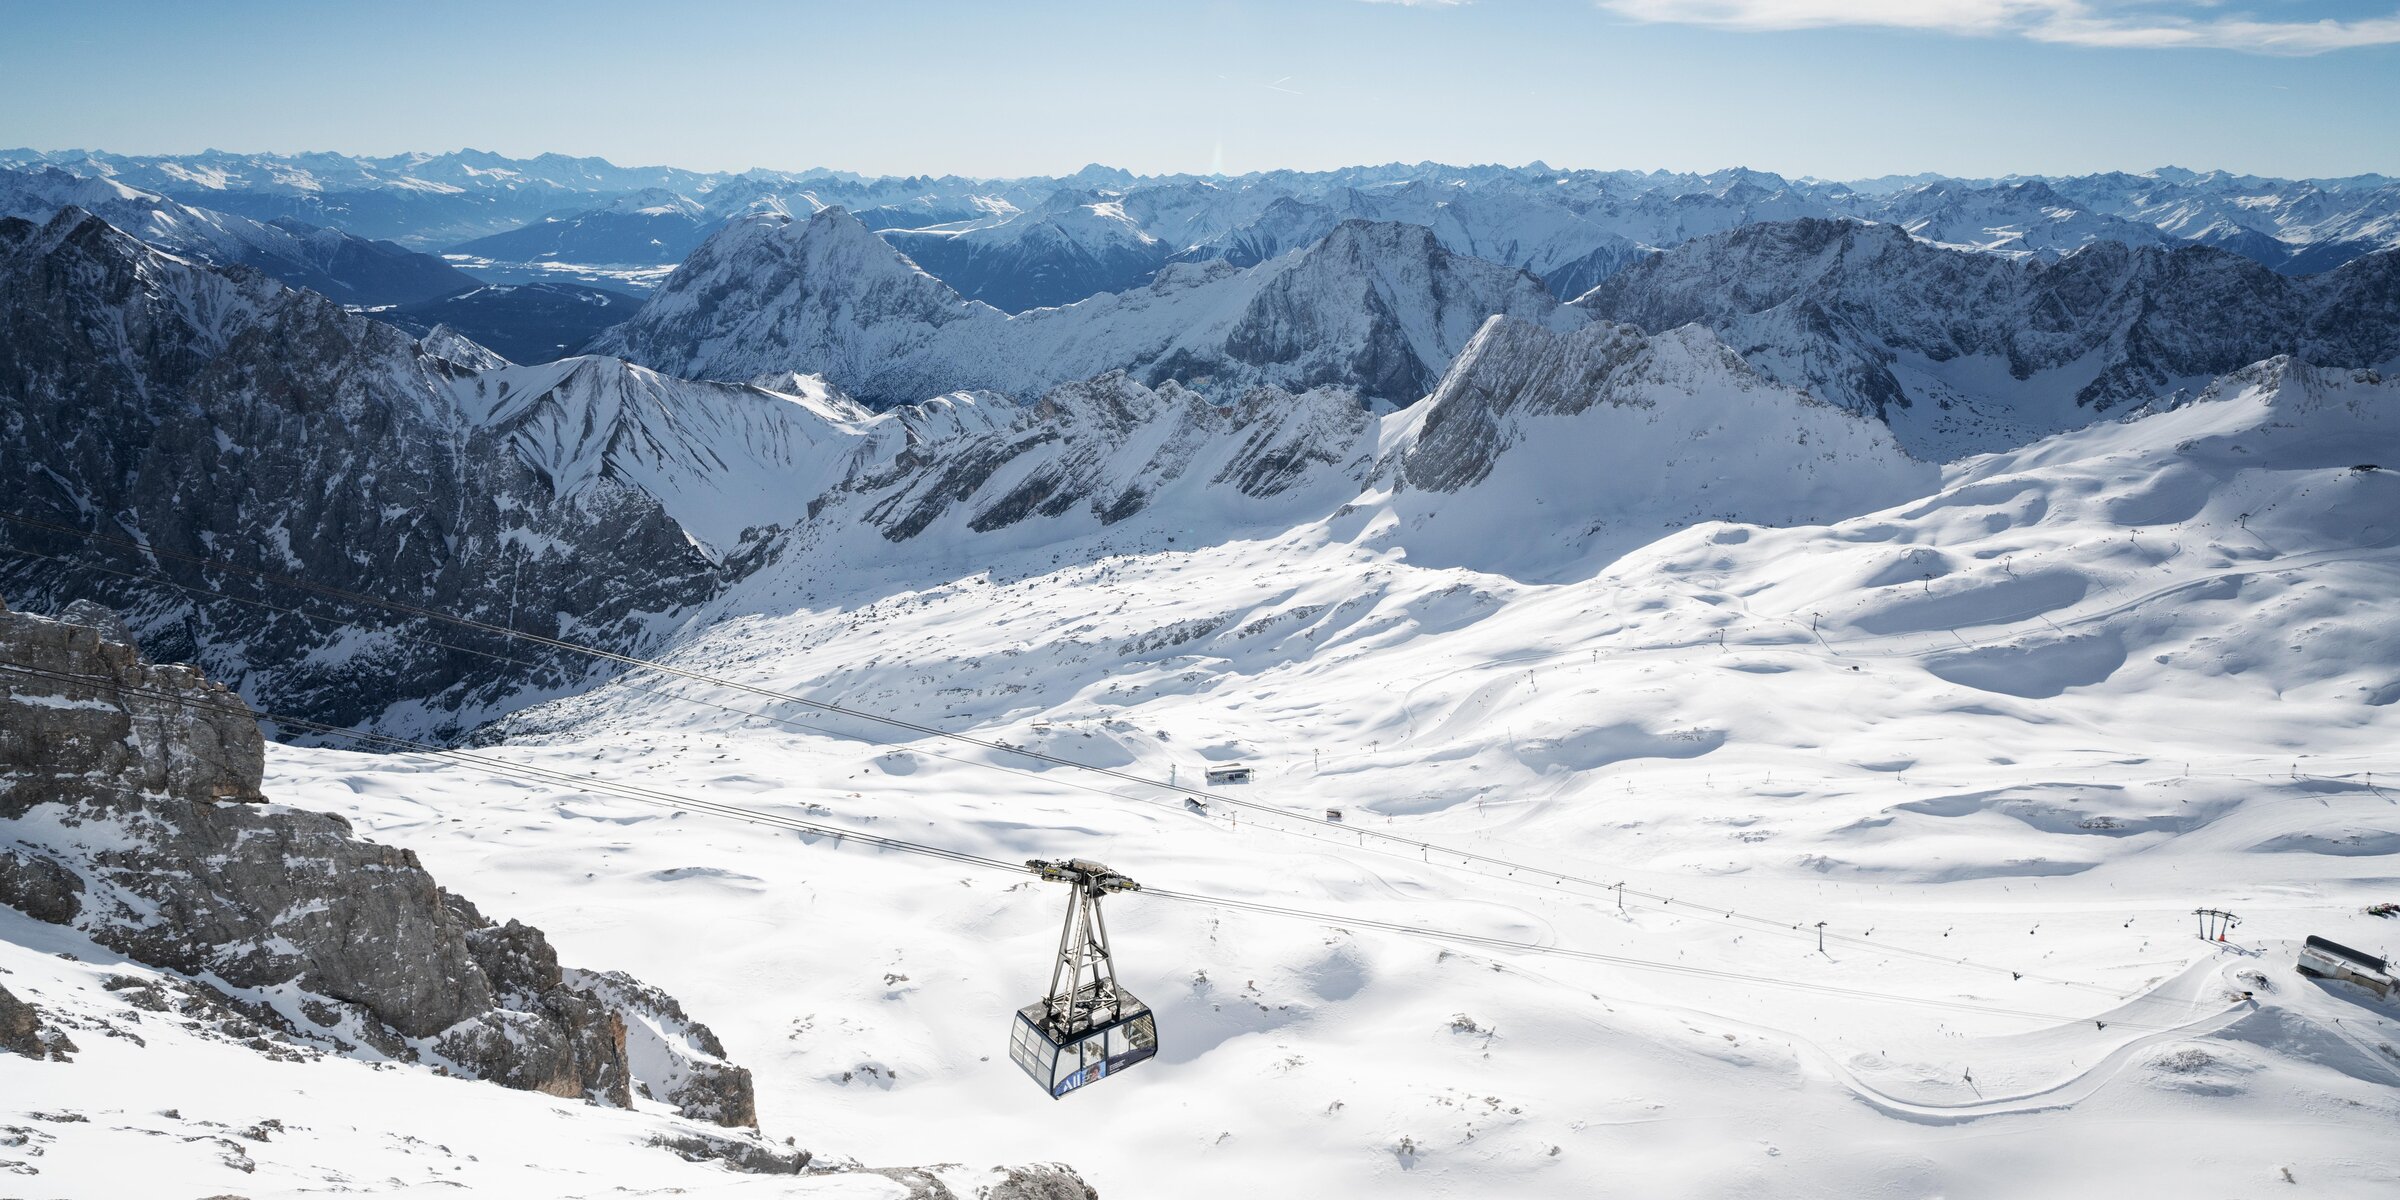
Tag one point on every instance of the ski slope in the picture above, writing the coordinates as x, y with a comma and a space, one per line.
2001, 738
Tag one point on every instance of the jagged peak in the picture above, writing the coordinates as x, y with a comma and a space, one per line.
1359, 233
448, 344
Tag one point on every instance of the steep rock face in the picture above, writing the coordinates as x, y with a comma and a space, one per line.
1096, 453
823, 296
1872, 319
140, 784
221, 416
1609, 436
1566, 249
1377, 307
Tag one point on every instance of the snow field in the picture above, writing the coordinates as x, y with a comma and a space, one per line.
2025, 725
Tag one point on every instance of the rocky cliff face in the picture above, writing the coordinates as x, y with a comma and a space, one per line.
1092, 454
130, 810
1613, 437
1867, 317
218, 415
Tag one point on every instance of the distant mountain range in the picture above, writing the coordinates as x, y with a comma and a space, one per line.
1379, 307
836, 365
342, 266
1047, 240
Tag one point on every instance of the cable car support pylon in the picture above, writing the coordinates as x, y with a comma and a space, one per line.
1088, 1027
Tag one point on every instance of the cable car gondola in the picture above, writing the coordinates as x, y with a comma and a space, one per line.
1088, 1027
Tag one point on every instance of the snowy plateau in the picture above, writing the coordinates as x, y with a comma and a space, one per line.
1745, 684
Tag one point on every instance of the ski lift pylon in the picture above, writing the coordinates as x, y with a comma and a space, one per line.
1088, 1027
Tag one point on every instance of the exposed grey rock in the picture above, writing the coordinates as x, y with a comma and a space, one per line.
141, 783
1105, 449
218, 415
1873, 319
1037, 1181
39, 886
1041, 1181
1513, 366
750, 1156
22, 1031
694, 1074
1376, 307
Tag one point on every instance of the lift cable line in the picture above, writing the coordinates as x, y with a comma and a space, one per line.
1425, 849
624, 681
527, 772
524, 772
1388, 844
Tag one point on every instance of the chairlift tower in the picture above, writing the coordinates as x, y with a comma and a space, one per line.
1088, 1026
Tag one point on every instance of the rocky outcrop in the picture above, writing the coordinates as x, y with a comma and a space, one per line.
130, 810
1036, 1181
23, 1032
681, 1059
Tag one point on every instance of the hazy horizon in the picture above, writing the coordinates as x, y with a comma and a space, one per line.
1966, 88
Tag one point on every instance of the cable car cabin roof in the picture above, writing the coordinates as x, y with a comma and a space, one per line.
1087, 1017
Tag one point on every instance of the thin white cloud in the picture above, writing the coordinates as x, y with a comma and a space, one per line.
2156, 24
1422, 3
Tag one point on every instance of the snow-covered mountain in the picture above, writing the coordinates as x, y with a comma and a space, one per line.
345, 268
1610, 437
586, 221
1376, 307
1990, 733
1568, 250
2297, 226
423, 201
1072, 245
2019, 218
1622, 597
265, 423
1603, 436
1966, 352
227, 417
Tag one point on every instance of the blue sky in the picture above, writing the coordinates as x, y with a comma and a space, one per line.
1834, 88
